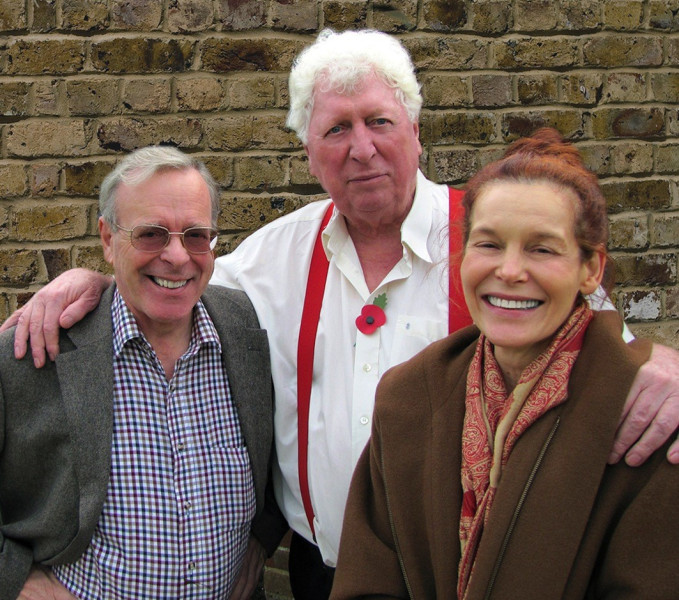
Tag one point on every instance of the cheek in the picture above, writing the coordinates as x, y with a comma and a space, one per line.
468, 278
320, 159
208, 266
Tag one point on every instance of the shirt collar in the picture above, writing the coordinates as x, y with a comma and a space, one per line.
415, 229
418, 224
126, 328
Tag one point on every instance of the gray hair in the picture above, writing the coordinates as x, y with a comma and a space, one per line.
141, 165
342, 61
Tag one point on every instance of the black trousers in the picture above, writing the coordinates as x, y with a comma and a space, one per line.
310, 577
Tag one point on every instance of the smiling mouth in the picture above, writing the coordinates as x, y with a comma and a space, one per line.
166, 283
512, 304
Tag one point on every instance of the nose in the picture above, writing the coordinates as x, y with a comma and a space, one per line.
362, 145
512, 266
175, 252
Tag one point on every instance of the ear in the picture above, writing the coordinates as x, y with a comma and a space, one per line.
416, 131
593, 272
106, 236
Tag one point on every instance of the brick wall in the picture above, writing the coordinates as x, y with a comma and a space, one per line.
84, 81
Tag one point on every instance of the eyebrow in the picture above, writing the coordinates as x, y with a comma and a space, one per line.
539, 235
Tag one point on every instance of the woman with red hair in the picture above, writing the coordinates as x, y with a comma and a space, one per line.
486, 475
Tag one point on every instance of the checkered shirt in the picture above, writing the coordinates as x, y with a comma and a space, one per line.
180, 498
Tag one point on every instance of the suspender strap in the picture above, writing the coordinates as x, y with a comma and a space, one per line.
458, 317
458, 313
313, 299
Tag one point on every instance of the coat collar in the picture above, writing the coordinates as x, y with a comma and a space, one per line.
561, 485
85, 372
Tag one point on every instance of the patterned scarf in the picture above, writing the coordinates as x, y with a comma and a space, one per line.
494, 420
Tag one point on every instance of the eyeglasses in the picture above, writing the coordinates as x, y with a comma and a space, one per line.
153, 238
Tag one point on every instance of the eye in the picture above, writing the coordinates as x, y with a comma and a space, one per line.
335, 130
149, 233
486, 245
197, 233
542, 250
380, 121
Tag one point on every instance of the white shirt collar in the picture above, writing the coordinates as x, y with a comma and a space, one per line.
415, 230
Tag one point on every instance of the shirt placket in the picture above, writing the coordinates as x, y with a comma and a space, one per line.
369, 356
186, 508
366, 376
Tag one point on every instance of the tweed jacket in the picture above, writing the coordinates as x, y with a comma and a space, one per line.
56, 430
563, 525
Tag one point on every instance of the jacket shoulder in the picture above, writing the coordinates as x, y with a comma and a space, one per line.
222, 302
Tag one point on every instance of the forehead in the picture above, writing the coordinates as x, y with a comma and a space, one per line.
182, 194
369, 93
512, 204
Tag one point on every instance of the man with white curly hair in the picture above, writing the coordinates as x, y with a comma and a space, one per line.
349, 286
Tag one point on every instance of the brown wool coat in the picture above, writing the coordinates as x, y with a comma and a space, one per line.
584, 530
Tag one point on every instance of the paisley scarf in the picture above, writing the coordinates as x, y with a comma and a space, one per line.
495, 419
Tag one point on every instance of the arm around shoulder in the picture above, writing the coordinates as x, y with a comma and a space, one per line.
651, 412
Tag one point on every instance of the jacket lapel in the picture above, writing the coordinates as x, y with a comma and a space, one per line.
85, 375
245, 353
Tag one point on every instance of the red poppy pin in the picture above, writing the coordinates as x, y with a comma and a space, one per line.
372, 315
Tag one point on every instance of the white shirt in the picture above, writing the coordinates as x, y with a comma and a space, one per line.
272, 267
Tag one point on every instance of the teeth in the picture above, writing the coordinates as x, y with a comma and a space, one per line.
166, 283
512, 304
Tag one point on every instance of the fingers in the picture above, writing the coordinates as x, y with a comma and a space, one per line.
49, 327
77, 310
240, 589
250, 571
43, 585
20, 341
61, 303
658, 432
673, 452
637, 416
35, 318
12, 320
651, 413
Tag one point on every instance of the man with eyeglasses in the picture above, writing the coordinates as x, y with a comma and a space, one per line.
135, 465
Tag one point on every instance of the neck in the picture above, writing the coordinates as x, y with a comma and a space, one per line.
169, 345
510, 377
513, 361
377, 253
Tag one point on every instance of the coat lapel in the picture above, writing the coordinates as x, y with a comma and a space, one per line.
85, 375
245, 352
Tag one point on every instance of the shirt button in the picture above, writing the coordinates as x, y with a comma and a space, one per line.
187, 505
367, 367
364, 420
192, 566
180, 446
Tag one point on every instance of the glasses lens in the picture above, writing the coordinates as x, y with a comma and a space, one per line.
199, 239
150, 238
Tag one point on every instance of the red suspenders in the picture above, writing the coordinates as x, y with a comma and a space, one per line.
315, 288
458, 317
